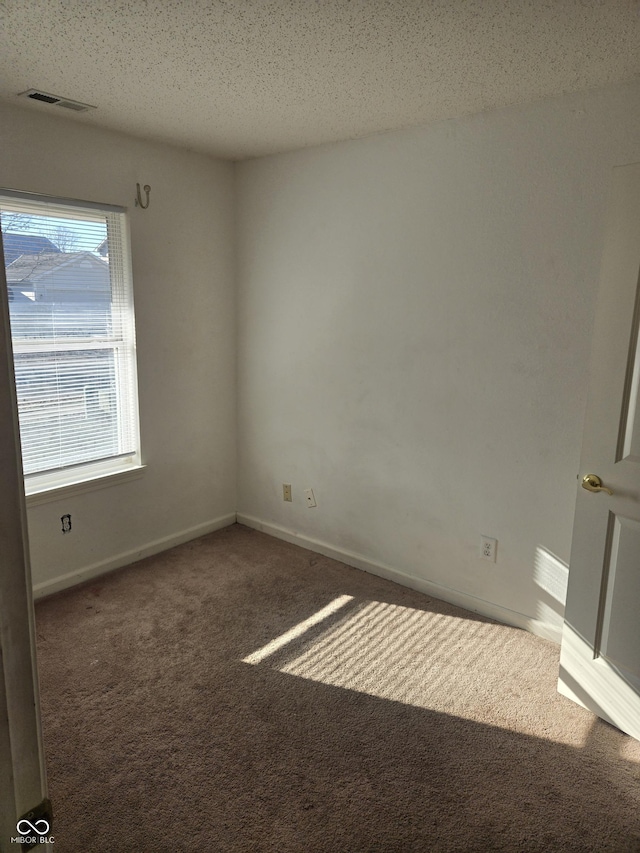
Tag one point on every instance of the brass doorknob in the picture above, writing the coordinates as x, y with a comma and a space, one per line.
593, 483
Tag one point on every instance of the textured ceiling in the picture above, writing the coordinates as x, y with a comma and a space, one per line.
242, 79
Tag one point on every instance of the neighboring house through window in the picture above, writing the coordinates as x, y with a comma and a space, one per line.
70, 298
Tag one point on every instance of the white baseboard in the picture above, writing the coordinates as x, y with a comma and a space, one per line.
40, 590
462, 599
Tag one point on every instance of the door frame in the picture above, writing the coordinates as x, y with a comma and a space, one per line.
23, 784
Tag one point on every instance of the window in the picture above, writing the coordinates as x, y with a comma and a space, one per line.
71, 312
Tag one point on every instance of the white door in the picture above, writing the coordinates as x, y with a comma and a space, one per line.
600, 654
24, 810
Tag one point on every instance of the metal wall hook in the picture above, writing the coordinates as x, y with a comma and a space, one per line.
147, 190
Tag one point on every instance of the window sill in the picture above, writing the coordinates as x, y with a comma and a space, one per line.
89, 483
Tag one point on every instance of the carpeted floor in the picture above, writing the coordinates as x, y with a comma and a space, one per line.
238, 693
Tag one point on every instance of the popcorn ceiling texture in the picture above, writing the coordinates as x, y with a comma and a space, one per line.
245, 78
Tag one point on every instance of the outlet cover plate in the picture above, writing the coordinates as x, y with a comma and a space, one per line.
488, 548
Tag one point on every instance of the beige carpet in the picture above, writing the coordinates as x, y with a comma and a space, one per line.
241, 694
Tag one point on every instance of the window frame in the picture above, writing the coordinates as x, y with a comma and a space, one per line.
50, 484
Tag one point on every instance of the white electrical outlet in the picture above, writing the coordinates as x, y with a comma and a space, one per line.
309, 497
286, 492
488, 548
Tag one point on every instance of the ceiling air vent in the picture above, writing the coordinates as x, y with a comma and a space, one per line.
55, 100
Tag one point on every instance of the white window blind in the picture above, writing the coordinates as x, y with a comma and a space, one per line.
71, 312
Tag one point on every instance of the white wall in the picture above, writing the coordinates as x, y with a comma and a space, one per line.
414, 318
182, 250
414, 315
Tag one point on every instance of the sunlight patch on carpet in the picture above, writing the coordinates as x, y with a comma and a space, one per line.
455, 665
298, 630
